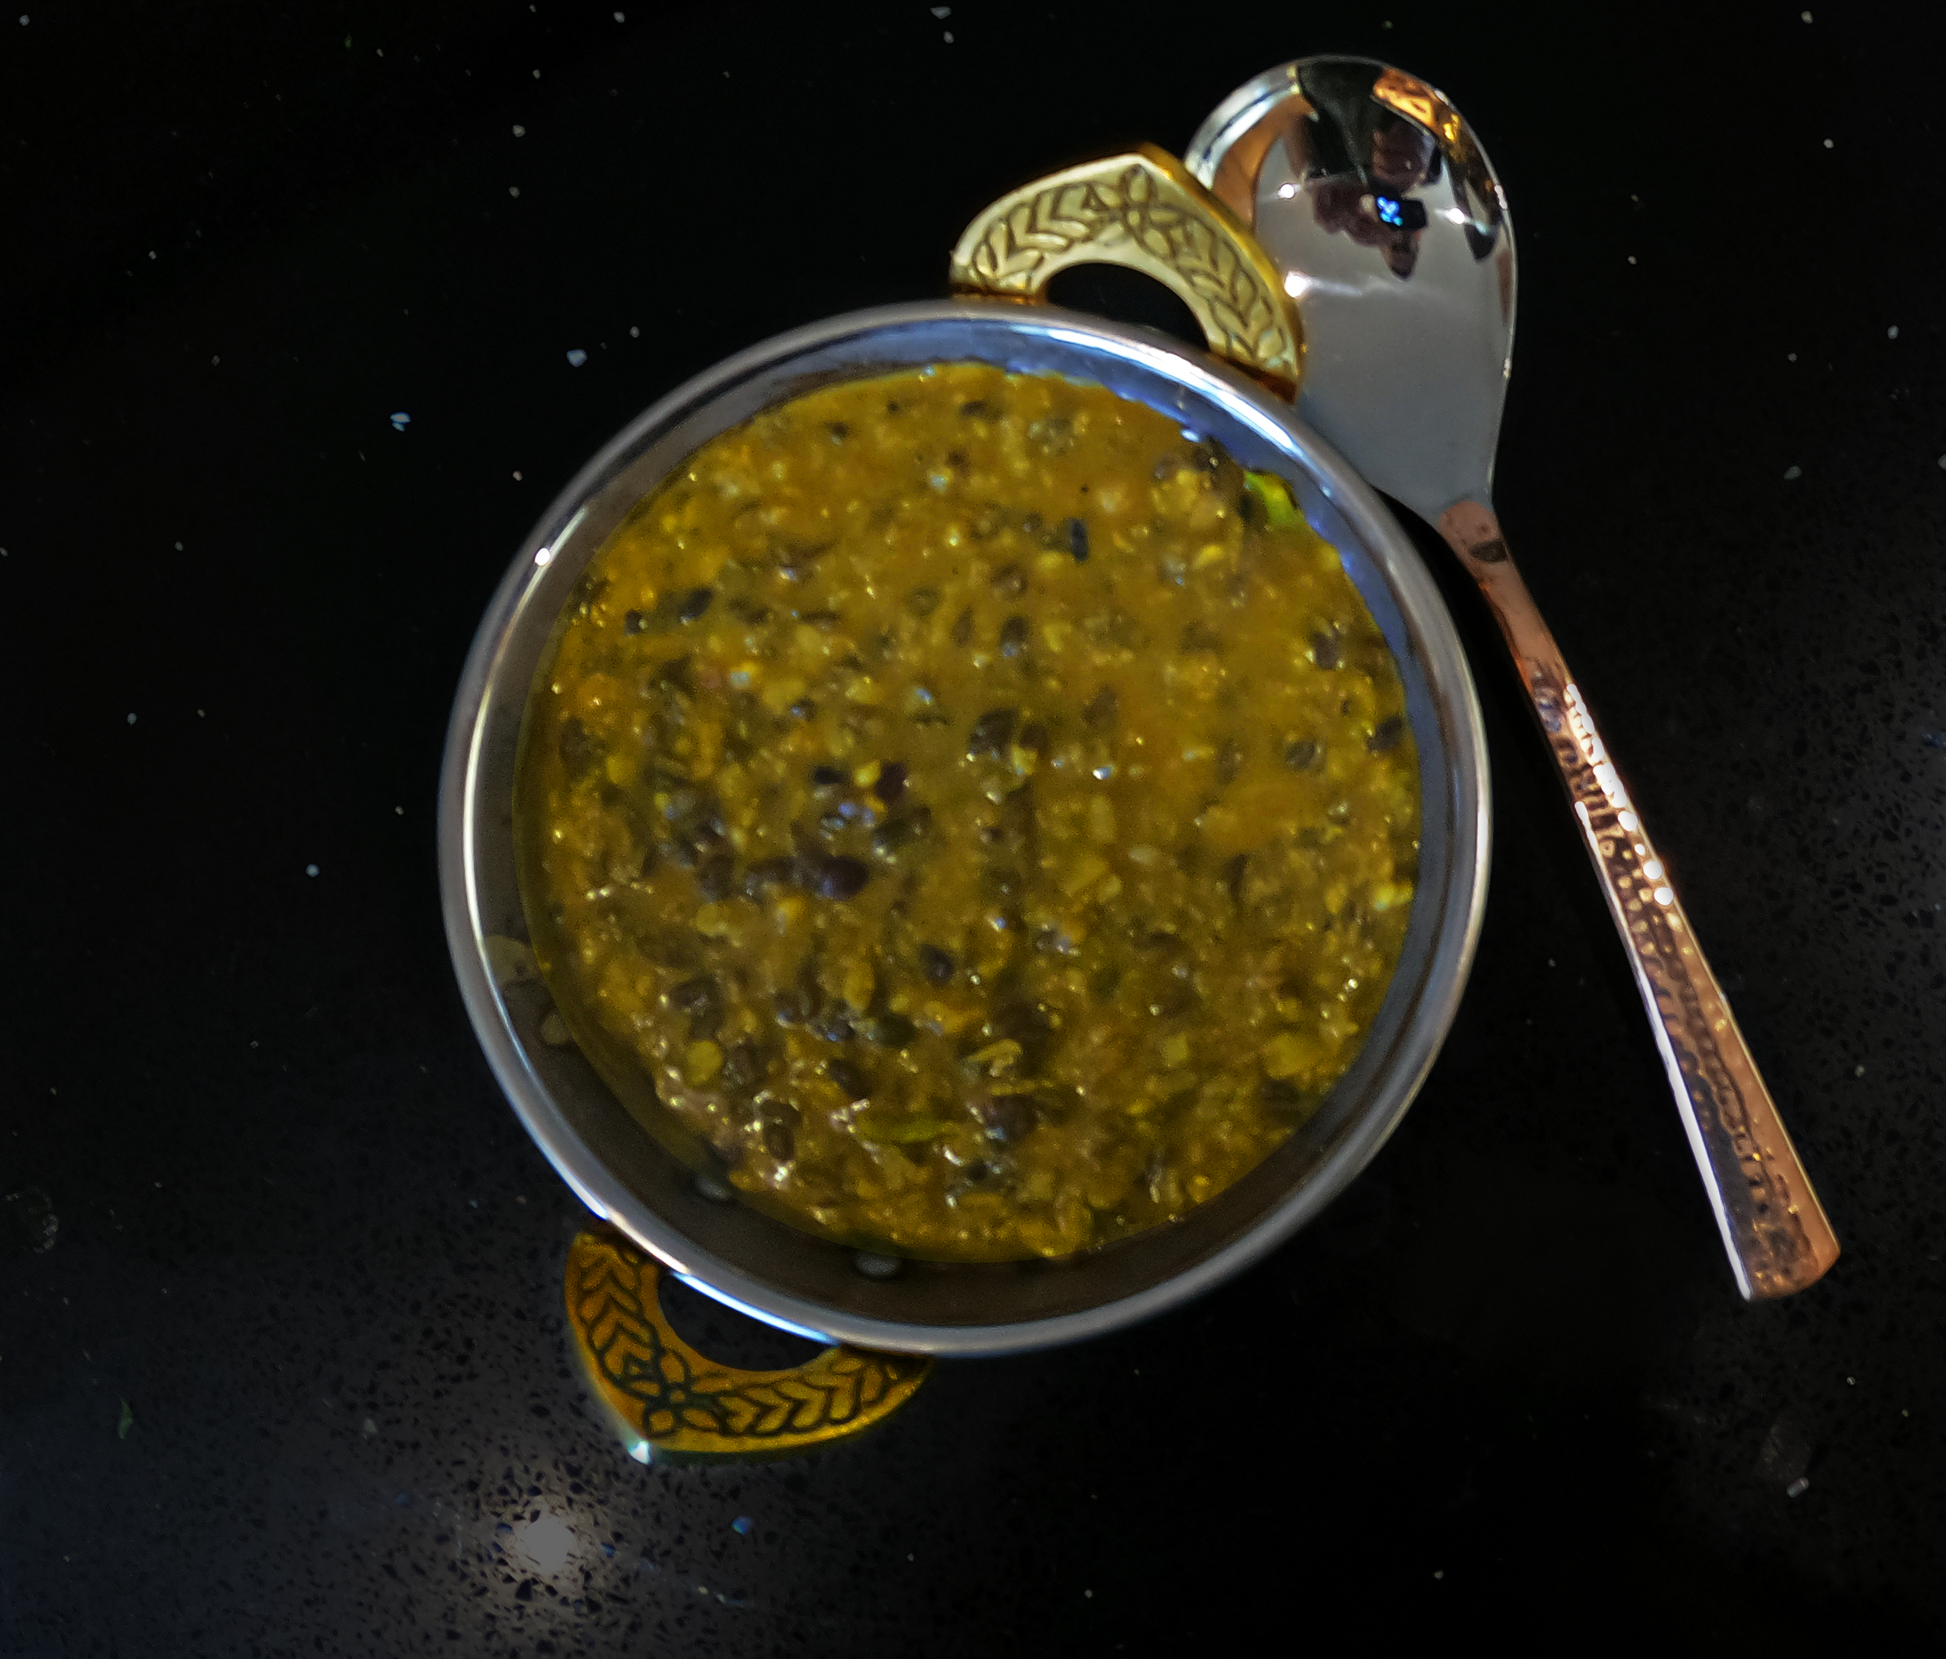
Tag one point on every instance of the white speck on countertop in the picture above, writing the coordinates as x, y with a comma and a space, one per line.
310, 869
400, 420
1790, 357
398, 809
1892, 333
214, 361
131, 719
537, 74
949, 41
1858, 1071
1089, 1594
1829, 145
620, 18
1631, 259
200, 715
634, 333
370, 1427
517, 478
519, 130
1805, 15
1440, 1573
1793, 472
513, 190
577, 357
1802, 1484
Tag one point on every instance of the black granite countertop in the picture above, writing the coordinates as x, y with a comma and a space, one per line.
282, 1364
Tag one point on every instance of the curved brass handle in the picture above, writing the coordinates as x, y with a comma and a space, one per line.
674, 1406
1773, 1227
1141, 209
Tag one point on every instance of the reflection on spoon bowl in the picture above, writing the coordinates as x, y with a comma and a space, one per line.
1400, 247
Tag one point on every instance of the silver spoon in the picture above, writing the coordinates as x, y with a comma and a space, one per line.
1375, 200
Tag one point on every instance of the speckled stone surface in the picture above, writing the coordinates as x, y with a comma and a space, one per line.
282, 1368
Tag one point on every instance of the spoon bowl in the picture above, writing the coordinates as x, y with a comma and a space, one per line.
1380, 209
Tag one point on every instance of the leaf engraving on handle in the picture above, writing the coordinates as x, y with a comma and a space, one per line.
684, 1404
1124, 213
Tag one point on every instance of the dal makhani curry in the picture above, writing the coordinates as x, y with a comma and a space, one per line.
984, 812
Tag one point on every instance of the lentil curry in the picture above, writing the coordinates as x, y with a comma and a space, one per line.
984, 812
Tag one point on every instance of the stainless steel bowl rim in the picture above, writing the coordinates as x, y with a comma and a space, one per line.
1211, 385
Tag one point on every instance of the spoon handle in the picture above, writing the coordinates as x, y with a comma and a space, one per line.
1773, 1227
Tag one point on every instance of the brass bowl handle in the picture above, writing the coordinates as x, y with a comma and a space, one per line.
1141, 209
674, 1406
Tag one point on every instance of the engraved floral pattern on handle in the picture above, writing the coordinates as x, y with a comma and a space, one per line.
1773, 1227
675, 1406
1140, 209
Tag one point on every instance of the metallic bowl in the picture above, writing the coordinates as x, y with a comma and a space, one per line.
765, 1267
